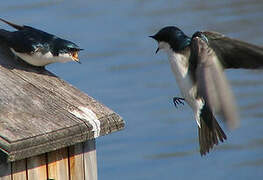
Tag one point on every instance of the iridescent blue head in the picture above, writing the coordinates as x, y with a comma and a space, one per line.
171, 37
62, 47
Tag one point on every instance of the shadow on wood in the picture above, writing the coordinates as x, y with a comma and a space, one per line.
5, 168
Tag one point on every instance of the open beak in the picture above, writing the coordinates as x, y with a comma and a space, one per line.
157, 41
75, 56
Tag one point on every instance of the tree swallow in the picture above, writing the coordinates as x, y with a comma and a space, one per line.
37, 47
198, 64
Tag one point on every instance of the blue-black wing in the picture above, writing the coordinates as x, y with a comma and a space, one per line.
233, 53
26, 39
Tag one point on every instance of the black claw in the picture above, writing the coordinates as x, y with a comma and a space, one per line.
177, 101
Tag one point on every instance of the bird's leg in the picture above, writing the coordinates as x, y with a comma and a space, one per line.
177, 101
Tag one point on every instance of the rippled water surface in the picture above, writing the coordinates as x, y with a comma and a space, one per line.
120, 69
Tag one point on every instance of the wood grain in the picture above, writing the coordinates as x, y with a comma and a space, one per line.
58, 168
37, 167
90, 160
76, 161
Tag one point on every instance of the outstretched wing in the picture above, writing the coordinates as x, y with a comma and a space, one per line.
212, 84
233, 53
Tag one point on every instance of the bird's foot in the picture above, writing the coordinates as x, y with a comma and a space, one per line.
177, 101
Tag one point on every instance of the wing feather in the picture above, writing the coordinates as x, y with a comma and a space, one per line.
212, 84
233, 53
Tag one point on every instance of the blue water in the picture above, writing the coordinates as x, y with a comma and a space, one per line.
119, 68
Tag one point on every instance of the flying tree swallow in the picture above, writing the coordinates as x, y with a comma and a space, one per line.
37, 47
198, 63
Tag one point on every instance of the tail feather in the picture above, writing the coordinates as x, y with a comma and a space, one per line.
16, 26
210, 131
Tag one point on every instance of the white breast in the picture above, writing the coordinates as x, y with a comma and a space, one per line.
39, 59
179, 65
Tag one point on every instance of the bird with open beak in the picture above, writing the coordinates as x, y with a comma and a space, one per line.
37, 47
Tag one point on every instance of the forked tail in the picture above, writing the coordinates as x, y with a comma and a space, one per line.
16, 26
210, 131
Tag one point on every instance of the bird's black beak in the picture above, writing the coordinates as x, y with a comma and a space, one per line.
154, 37
77, 60
157, 50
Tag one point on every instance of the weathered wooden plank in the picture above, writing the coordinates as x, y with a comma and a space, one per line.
58, 164
25, 101
76, 162
90, 160
19, 170
37, 167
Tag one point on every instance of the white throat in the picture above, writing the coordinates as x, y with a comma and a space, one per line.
179, 62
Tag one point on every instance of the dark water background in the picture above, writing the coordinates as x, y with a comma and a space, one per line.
119, 69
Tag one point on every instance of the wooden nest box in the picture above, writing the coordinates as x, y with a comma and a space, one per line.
47, 126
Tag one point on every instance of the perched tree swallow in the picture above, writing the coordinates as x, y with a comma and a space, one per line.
198, 64
37, 47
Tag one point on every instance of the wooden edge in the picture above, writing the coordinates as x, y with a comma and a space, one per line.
4, 145
64, 138
90, 160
